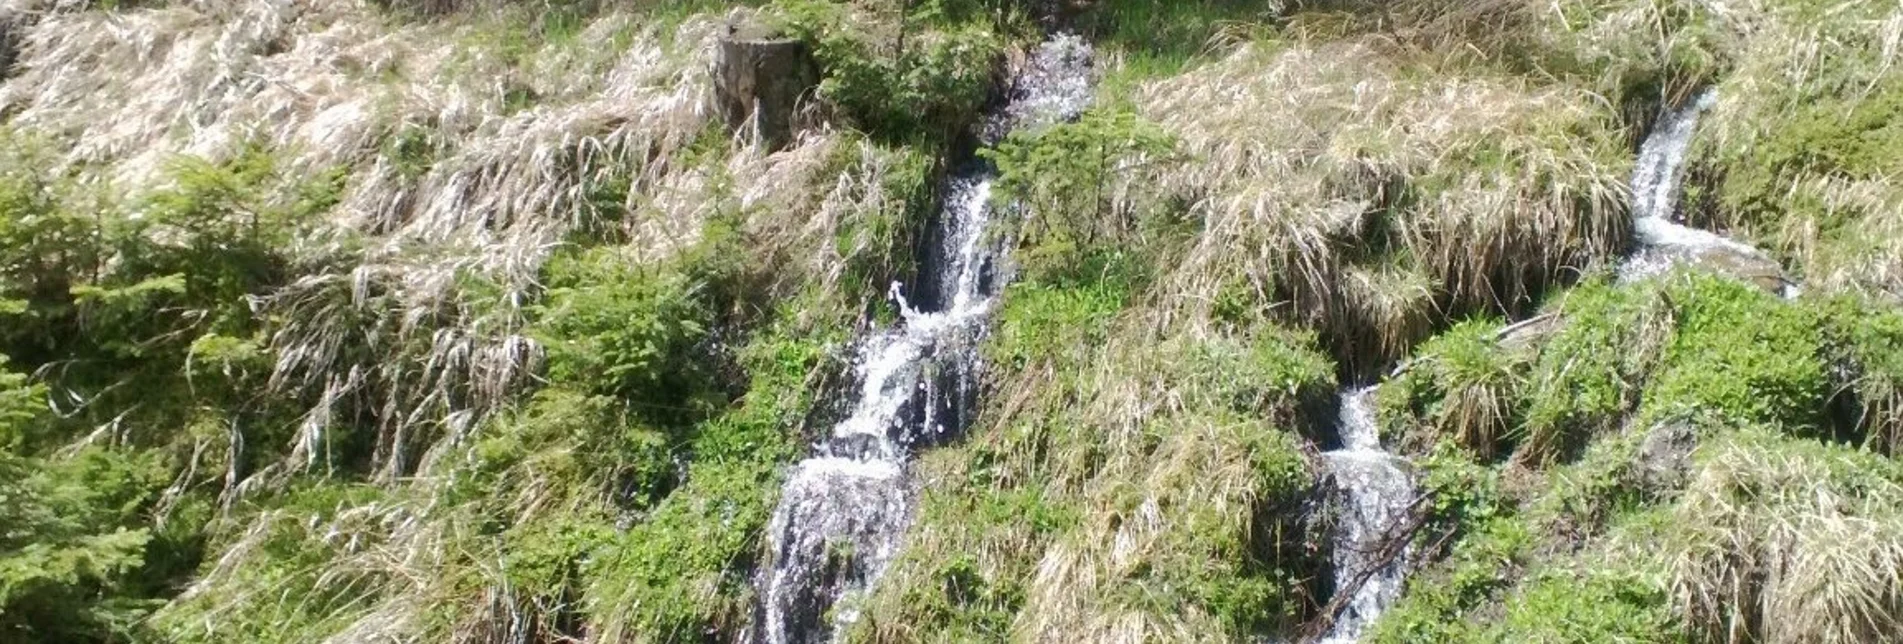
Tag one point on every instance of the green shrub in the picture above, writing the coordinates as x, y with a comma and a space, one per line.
931, 85
1589, 373
1587, 607
72, 547
681, 573
1064, 175
615, 328
1866, 352
1740, 356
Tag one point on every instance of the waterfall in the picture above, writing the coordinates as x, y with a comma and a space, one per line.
1376, 493
843, 512
1657, 181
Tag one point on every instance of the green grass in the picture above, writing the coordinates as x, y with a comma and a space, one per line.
1739, 357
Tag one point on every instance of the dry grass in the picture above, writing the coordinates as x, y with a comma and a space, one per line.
1312, 163
1777, 541
407, 315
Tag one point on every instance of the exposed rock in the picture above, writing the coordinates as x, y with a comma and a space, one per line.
1526, 333
1665, 244
760, 79
1665, 456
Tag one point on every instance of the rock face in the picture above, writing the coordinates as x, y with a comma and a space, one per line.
759, 81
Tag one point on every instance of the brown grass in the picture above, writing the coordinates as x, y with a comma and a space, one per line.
1777, 541
1313, 165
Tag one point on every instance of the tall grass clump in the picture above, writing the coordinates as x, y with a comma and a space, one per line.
1638, 54
1783, 540
1797, 151
1464, 387
1311, 160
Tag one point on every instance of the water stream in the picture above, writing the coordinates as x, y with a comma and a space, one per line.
844, 511
1376, 493
1657, 182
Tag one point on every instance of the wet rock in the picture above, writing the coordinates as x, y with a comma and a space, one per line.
760, 79
1750, 267
1720, 257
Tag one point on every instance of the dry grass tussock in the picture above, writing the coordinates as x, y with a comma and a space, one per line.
1374, 196
1782, 542
468, 158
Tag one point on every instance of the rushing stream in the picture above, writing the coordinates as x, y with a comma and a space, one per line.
843, 511
1657, 181
1376, 492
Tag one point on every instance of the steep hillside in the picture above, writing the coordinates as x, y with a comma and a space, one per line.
1104, 321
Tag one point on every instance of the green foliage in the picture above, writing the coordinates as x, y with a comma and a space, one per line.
1854, 134
22, 409
1062, 175
1041, 322
1464, 387
615, 328
1865, 341
112, 301
1587, 607
1490, 543
71, 545
1162, 38
1740, 356
929, 79
306, 545
1589, 373
878, 243
682, 572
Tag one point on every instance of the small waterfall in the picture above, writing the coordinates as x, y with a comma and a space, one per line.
1377, 494
843, 511
1657, 182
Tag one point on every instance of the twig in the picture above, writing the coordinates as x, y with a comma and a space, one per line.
1393, 545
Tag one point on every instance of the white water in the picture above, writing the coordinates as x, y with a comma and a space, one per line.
843, 512
1657, 181
1376, 493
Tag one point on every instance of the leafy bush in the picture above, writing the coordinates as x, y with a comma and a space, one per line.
1866, 352
1740, 356
615, 328
1065, 175
1487, 545
1586, 607
1589, 373
930, 79
72, 549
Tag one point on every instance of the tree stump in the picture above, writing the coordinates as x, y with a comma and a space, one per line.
759, 80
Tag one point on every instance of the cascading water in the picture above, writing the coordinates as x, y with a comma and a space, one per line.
843, 511
1377, 494
1656, 183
